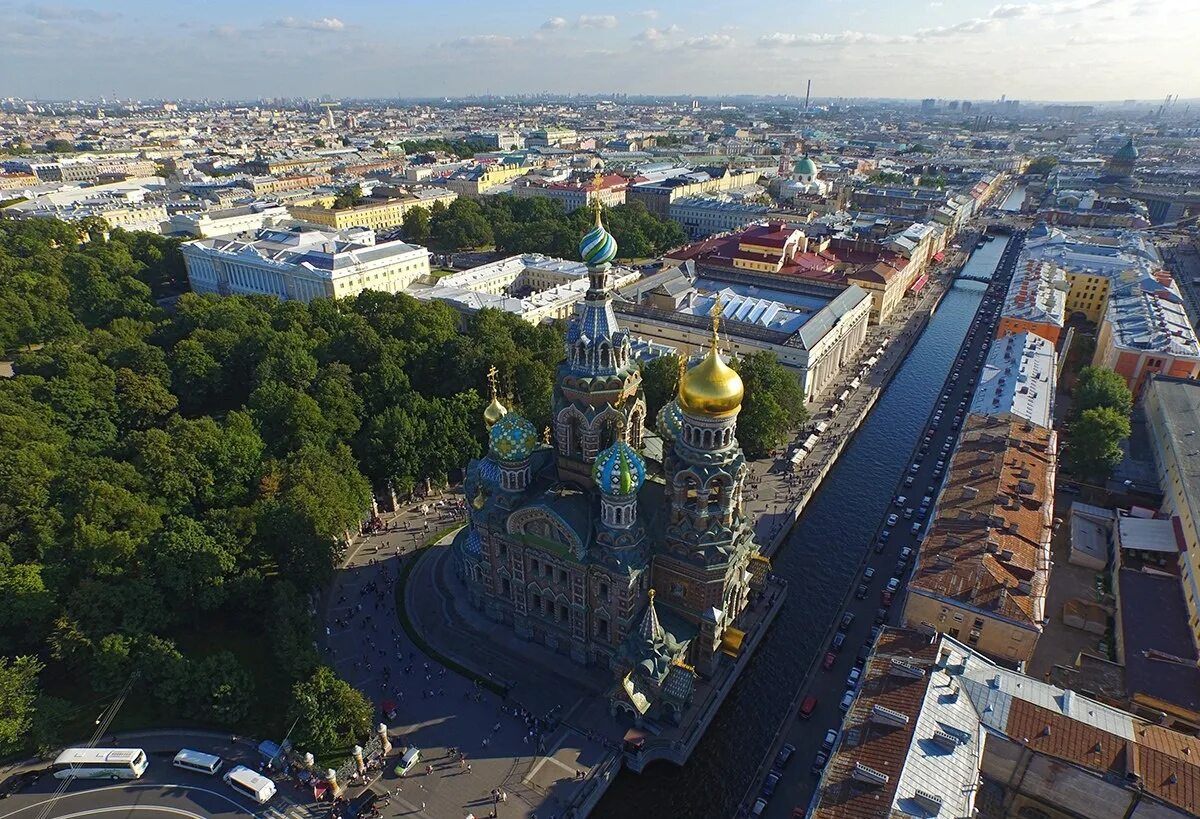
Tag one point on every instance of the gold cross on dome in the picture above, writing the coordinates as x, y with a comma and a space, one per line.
491, 377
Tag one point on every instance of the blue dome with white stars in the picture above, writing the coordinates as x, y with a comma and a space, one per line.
512, 438
597, 247
619, 470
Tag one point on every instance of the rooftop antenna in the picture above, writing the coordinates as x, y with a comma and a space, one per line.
807, 95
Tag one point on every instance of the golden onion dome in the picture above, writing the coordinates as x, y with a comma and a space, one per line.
494, 411
711, 388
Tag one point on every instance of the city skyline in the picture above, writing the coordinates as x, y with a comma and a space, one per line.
1078, 50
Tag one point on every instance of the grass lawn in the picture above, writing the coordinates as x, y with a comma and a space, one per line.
438, 272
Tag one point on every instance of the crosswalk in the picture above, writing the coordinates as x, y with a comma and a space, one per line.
284, 808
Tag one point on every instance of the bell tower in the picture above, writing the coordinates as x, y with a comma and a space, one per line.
703, 568
598, 393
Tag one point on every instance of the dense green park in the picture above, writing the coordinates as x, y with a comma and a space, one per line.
539, 225
177, 484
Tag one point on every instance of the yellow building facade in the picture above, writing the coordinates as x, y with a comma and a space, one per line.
1088, 295
377, 216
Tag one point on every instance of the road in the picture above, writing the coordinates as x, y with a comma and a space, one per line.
163, 791
796, 786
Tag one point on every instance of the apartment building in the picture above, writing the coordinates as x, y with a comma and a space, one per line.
658, 196
376, 214
277, 184
939, 729
1172, 407
1036, 301
983, 566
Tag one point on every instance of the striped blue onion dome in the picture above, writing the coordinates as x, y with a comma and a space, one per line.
473, 545
597, 247
670, 420
619, 470
512, 438
489, 470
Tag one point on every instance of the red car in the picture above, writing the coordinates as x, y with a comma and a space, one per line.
885, 597
830, 659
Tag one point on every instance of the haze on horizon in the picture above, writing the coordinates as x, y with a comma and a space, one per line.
1038, 50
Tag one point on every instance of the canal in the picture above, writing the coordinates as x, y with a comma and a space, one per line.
1014, 200
819, 560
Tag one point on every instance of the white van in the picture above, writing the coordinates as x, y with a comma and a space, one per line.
251, 784
409, 761
196, 761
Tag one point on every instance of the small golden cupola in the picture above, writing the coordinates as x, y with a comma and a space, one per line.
712, 388
494, 411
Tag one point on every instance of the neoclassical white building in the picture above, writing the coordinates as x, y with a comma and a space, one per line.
302, 263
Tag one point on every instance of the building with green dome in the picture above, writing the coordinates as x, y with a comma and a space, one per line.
570, 536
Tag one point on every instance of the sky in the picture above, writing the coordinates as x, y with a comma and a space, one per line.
246, 49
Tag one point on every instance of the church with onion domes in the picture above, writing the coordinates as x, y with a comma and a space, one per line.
574, 543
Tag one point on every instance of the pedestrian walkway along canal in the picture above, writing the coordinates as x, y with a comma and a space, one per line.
819, 560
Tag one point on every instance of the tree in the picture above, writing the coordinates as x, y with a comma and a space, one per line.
221, 689
59, 146
348, 197
190, 566
660, 381
142, 401
18, 694
462, 225
1042, 165
773, 404
1098, 387
416, 225
28, 609
330, 715
1095, 444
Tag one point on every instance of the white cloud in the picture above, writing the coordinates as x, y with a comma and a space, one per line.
652, 35
483, 41
320, 24
555, 23
596, 21
54, 11
709, 41
831, 39
648, 14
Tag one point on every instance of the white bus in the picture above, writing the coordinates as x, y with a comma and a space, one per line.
251, 784
100, 763
196, 761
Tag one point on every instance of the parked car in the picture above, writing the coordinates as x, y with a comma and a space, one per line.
847, 701
880, 616
830, 659
831, 737
893, 584
760, 806
768, 788
808, 706
818, 764
906, 553
869, 572
785, 755
908, 513
899, 501
915, 528
847, 621
893, 519
861, 591
839, 640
